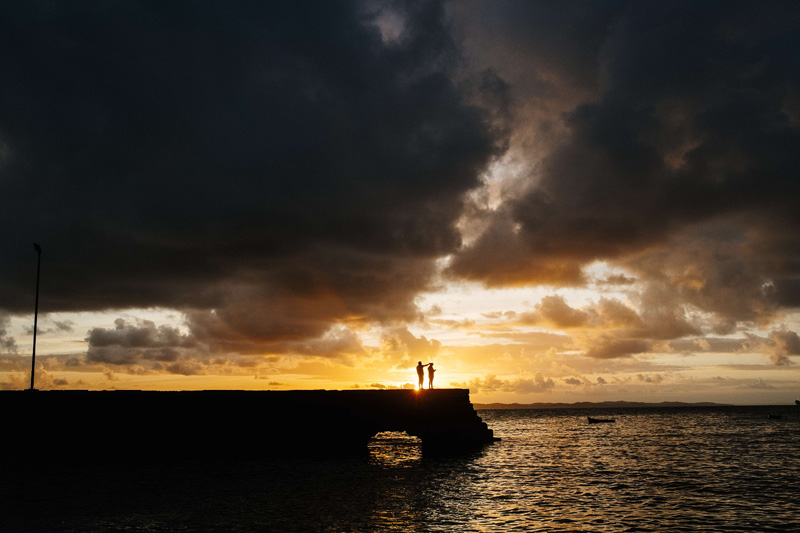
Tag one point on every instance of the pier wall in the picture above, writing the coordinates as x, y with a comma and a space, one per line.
220, 425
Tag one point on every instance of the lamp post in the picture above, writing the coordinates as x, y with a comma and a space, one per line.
36, 309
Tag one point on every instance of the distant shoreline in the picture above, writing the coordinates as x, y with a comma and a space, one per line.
598, 405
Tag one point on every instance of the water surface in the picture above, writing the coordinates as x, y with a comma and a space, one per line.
683, 469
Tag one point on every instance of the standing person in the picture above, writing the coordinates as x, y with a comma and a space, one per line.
421, 373
431, 370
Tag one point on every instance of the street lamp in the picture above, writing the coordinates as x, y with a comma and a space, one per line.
36, 308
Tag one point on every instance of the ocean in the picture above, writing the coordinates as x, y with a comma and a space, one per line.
704, 469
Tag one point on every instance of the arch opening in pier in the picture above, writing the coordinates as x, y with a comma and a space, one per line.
394, 449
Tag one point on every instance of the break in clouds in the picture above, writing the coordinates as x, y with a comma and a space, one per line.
657, 137
286, 173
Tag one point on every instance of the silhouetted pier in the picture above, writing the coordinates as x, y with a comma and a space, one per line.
219, 425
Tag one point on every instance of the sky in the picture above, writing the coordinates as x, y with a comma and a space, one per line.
551, 201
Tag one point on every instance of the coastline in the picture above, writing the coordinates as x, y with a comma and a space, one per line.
594, 405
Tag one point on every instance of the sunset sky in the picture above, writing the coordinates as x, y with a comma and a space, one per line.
551, 201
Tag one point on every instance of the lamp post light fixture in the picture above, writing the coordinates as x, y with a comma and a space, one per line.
36, 309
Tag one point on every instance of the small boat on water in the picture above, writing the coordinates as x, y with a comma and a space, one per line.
774, 417
600, 420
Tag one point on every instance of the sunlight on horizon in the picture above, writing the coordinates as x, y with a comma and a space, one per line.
466, 330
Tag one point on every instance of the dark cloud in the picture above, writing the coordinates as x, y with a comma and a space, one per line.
564, 47
788, 291
713, 268
708, 344
686, 126
338, 342
554, 311
607, 313
286, 164
609, 347
650, 378
58, 326
787, 341
615, 280
607, 328
299, 298
8, 345
779, 346
142, 347
610, 328
287, 173
65, 326
133, 343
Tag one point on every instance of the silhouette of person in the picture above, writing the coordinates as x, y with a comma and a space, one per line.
431, 370
421, 373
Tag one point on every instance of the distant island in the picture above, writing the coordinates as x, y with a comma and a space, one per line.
598, 405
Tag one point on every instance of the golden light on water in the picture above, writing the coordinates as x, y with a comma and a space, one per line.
395, 449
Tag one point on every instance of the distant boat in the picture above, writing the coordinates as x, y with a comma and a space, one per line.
774, 417
600, 420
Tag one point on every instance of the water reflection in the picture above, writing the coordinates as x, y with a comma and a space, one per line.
710, 470
395, 449
715, 469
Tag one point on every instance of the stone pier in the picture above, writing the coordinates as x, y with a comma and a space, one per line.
221, 425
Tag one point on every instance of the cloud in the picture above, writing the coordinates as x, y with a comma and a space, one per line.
44, 380
671, 156
779, 346
8, 345
289, 167
58, 326
650, 378
140, 347
186, 368
128, 343
553, 311
786, 341
465, 323
703, 344
287, 176
706, 344
538, 383
404, 349
66, 326
609, 328
712, 268
532, 340
501, 257
758, 384
608, 347
616, 280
